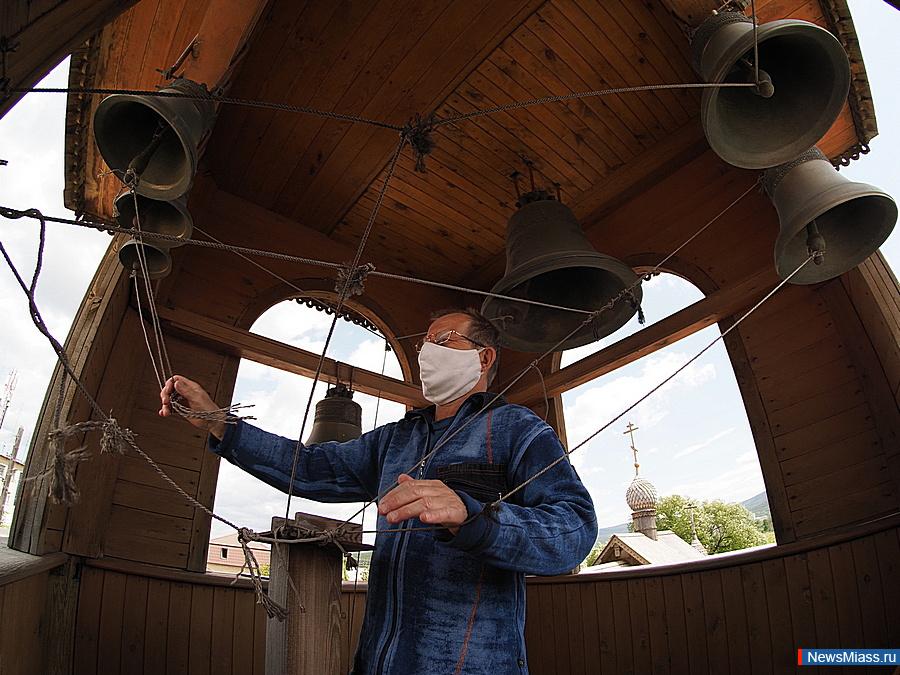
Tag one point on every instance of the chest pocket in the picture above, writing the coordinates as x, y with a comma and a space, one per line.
482, 481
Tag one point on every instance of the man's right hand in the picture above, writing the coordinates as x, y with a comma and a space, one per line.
193, 396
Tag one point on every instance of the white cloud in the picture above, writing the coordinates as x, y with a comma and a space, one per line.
698, 446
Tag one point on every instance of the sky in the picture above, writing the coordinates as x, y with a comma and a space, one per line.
693, 437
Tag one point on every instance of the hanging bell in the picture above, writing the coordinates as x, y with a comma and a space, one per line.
157, 261
150, 142
550, 260
820, 210
170, 218
804, 77
338, 417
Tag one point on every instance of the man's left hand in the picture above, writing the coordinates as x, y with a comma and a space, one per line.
431, 501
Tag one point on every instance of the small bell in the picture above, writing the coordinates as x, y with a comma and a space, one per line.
338, 417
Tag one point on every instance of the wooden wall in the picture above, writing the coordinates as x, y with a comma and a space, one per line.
22, 614
741, 613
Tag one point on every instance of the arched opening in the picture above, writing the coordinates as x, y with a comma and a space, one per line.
280, 399
692, 433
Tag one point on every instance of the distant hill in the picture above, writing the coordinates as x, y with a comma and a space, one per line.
758, 505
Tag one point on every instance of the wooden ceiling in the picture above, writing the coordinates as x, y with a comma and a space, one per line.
388, 61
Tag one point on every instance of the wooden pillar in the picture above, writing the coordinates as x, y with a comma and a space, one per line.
305, 578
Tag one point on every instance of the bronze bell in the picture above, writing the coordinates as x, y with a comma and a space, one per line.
157, 260
804, 80
549, 259
818, 208
338, 417
160, 217
155, 136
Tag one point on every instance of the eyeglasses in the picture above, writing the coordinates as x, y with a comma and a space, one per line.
444, 337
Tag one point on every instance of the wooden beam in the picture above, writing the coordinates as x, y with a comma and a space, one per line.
247, 345
715, 307
46, 39
226, 27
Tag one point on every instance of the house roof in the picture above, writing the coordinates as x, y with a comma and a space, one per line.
668, 548
232, 540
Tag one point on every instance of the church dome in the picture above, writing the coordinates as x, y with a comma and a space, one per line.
641, 494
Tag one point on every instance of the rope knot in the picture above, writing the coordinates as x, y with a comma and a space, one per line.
273, 609
352, 282
491, 510
417, 133
115, 439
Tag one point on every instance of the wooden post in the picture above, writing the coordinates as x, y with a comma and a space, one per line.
305, 578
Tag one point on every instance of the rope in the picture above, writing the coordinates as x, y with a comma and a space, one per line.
657, 387
211, 97
242, 251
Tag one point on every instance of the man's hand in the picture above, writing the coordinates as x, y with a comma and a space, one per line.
193, 396
431, 501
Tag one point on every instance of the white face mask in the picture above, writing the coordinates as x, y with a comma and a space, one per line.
448, 373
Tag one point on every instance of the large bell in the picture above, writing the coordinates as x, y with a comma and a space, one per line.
804, 75
338, 417
818, 206
154, 136
550, 260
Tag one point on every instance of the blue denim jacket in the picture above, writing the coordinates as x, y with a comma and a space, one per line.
437, 603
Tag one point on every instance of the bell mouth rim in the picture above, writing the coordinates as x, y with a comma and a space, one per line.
179, 125
584, 335
527, 270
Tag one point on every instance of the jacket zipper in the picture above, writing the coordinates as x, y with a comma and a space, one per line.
395, 590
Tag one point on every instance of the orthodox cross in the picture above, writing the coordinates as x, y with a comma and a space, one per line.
631, 429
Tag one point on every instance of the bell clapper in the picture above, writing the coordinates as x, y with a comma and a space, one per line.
815, 243
139, 164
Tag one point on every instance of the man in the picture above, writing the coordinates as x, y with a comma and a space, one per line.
447, 578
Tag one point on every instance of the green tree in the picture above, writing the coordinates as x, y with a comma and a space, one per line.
721, 526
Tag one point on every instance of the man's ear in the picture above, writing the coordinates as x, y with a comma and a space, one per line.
488, 356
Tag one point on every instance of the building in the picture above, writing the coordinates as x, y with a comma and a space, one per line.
226, 554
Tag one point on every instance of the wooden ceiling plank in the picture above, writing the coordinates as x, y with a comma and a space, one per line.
617, 69
483, 216
695, 317
417, 203
506, 82
549, 157
343, 154
441, 254
494, 140
648, 49
494, 23
481, 223
265, 75
247, 345
343, 49
633, 58
518, 63
607, 118
477, 157
384, 105
597, 74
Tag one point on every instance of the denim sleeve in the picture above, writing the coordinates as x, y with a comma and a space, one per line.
327, 472
547, 527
